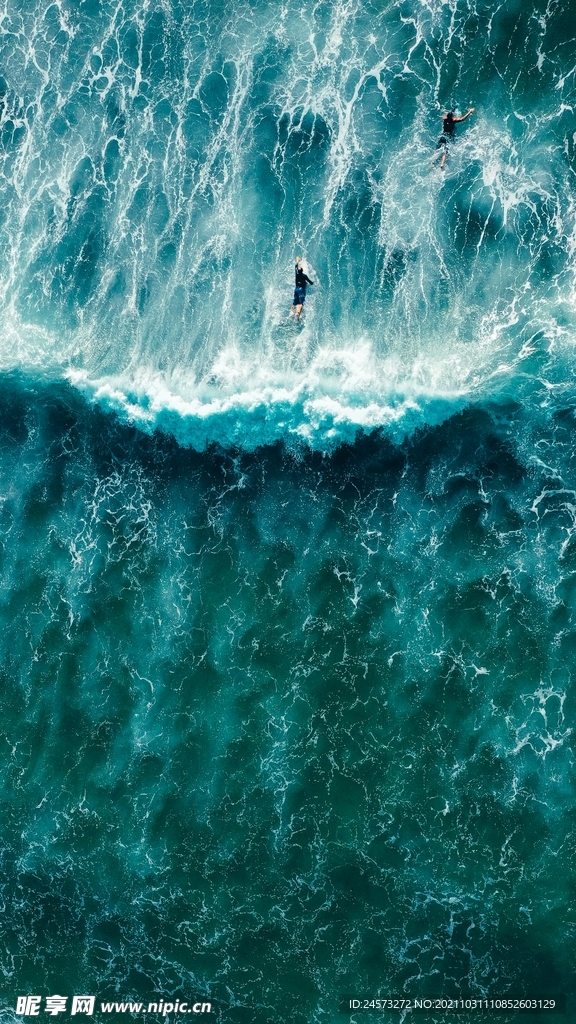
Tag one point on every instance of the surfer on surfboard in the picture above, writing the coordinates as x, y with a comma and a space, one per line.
449, 123
302, 280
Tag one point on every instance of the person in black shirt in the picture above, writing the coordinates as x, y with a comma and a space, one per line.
449, 123
300, 290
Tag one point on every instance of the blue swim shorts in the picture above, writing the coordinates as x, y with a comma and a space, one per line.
299, 297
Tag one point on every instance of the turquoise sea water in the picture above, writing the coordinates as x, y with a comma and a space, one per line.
288, 611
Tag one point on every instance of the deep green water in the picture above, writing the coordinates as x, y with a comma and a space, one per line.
287, 611
277, 729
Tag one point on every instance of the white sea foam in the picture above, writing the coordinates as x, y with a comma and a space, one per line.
150, 226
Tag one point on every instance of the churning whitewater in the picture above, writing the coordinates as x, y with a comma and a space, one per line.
162, 164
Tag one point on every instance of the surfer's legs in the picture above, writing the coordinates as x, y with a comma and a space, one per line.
298, 302
441, 147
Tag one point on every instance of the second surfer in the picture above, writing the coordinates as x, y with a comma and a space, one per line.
449, 123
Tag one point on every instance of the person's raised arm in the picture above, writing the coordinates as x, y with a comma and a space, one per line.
467, 114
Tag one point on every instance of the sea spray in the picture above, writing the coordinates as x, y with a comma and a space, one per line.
163, 166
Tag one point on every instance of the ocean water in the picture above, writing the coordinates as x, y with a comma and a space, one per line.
288, 610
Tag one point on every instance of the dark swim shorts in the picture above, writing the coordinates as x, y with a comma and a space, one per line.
299, 297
